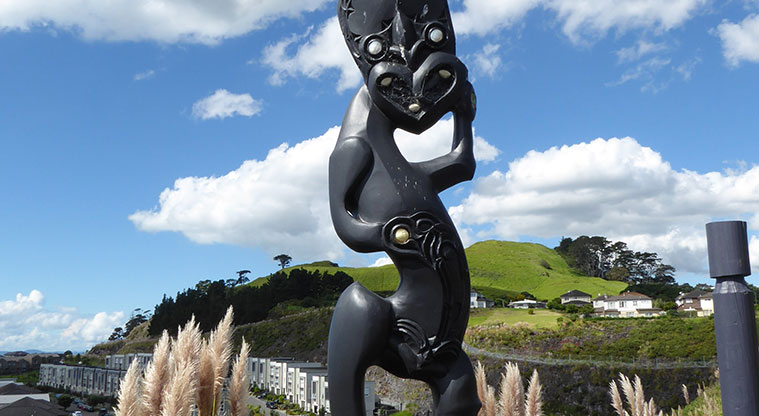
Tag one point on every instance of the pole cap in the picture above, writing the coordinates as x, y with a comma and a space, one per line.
727, 243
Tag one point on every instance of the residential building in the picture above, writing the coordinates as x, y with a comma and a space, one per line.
123, 361
303, 383
91, 380
477, 300
292, 370
307, 387
19, 362
11, 393
625, 305
696, 301
29, 406
527, 304
80, 379
575, 297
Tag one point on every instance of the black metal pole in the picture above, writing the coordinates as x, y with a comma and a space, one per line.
734, 318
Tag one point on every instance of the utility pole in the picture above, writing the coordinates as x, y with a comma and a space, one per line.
734, 317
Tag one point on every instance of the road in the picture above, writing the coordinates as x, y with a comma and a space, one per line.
255, 401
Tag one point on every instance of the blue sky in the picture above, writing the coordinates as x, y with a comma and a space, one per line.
147, 145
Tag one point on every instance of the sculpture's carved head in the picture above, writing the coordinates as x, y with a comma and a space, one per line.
406, 51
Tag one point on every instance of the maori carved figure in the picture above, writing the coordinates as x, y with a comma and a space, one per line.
379, 201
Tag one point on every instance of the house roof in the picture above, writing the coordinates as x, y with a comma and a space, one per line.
602, 297
28, 406
574, 293
13, 389
693, 294
629, 296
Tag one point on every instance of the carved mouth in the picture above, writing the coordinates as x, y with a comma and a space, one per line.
417, 100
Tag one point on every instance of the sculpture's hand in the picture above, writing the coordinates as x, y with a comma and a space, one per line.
458, 165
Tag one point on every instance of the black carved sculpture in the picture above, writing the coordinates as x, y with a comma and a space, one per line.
379, 201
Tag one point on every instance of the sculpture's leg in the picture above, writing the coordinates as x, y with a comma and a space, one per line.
456, 392
358, 335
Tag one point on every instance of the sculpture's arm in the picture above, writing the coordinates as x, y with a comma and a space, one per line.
458, 165
349, 165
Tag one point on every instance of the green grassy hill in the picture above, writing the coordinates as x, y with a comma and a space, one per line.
528, 267
497, 268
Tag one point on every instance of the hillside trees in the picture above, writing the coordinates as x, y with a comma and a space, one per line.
283, 260
209, 300
598, 257
137, 318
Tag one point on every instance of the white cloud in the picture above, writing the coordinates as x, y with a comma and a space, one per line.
319, 51
753, 254
482, 17
639, 50
686, 68
579, 19
144, 75
740, 41
487, 61
316, 52
382, 261
645, 71
222, 104
616, 188
26, 323
594, 18
278, 204
167, 21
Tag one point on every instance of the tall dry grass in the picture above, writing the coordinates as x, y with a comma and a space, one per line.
512, 400
214, 366
187, 373
239, 383
708, 405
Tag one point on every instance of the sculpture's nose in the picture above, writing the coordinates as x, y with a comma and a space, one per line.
403, 39
397, 54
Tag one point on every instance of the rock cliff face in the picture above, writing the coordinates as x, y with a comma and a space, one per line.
407, 394
582, 390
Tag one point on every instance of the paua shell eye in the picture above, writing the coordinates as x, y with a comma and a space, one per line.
436, 35
374, 47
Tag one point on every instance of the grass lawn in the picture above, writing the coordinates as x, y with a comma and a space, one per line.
543, 318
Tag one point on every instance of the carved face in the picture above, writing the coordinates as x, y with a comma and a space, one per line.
406, 51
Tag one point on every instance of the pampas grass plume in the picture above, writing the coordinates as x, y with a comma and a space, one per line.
534, 403
214, 366
129, 401
156, 377
181, 393
240, 383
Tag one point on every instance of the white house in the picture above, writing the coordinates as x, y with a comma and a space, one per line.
527, 304
697, 301
575, 297
626, 305
293, 370
477, 300
307, 386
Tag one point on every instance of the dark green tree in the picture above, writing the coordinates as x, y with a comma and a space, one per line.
283, 259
